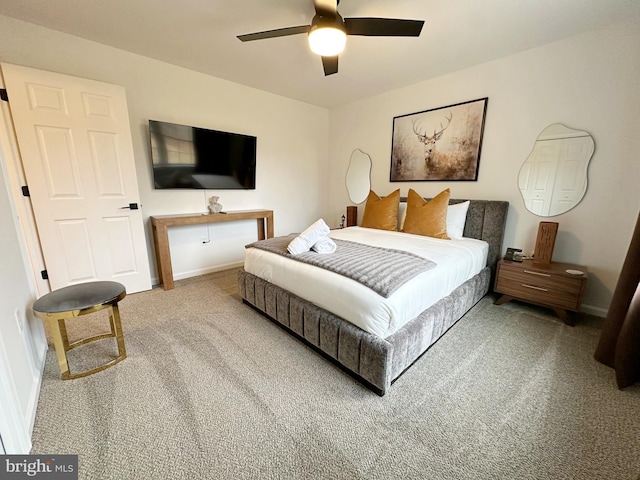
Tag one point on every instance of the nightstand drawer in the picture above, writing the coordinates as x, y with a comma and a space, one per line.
552, 290
543, 280
550, 285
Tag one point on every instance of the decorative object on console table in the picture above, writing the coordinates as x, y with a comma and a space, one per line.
620, 337
545, 242
352, 216
214, 206
555, 285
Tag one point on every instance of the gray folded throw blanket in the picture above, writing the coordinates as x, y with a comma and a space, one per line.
383, 270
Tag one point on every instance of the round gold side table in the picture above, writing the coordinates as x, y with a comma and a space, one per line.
74, 301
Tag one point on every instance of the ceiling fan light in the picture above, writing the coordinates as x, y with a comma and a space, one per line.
327, 41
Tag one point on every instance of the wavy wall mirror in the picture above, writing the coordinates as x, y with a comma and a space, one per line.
553, 178
358, 179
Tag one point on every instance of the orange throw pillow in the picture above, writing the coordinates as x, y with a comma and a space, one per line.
381, 212
427, 218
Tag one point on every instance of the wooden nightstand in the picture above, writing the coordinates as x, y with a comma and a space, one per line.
546, 285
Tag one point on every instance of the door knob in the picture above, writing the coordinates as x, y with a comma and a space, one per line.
131, 206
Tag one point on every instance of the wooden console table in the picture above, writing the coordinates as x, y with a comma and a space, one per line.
161, 224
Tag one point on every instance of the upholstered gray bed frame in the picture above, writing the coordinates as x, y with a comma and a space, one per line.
373, 360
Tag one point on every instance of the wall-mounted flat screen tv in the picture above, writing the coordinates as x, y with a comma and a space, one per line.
192, 157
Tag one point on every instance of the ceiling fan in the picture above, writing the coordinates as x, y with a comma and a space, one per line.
328, 31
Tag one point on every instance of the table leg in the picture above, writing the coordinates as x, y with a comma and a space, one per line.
503, 299
59, 344
163, 256
270, 225
117, 330
63, 333
260, 228
565, 316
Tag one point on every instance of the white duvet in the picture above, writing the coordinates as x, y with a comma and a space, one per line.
456, 262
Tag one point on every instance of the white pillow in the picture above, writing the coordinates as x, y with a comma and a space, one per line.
402, 213
456, 218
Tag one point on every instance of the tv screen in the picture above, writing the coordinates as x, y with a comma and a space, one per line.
192, 157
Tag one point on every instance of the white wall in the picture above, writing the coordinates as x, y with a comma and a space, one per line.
588, 82
22, 341
292, 139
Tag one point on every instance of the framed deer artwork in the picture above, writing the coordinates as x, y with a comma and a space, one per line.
442, 144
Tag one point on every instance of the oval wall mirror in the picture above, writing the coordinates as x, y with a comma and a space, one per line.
358, 179
553, 178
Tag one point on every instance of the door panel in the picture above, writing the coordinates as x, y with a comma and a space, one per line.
106, 163
47, 99
75, 143
78, 253
58, 161
98, 106
120, 245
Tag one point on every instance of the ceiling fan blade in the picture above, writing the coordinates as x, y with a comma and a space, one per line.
324, 7
330, 65
280, 32
383, 27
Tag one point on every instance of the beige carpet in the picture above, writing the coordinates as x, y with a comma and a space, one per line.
213, 390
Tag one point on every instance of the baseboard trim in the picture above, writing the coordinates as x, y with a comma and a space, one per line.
595, 311
32, 406
200, 271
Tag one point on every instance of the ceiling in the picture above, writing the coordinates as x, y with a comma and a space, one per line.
201, 35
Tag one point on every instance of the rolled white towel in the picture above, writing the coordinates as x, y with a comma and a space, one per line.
324, 245
303, 242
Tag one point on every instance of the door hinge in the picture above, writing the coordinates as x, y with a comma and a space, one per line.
25, 191
3, 94
45, 275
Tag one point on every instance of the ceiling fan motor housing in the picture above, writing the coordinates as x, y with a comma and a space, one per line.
327, 34
327, 21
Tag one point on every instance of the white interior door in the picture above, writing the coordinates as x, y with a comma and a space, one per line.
75, 143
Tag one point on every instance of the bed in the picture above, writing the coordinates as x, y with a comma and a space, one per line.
345, 322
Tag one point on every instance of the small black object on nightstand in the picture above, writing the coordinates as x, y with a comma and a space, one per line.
513, 254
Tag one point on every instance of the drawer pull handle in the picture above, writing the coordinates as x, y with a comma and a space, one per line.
537, 273
535, 288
